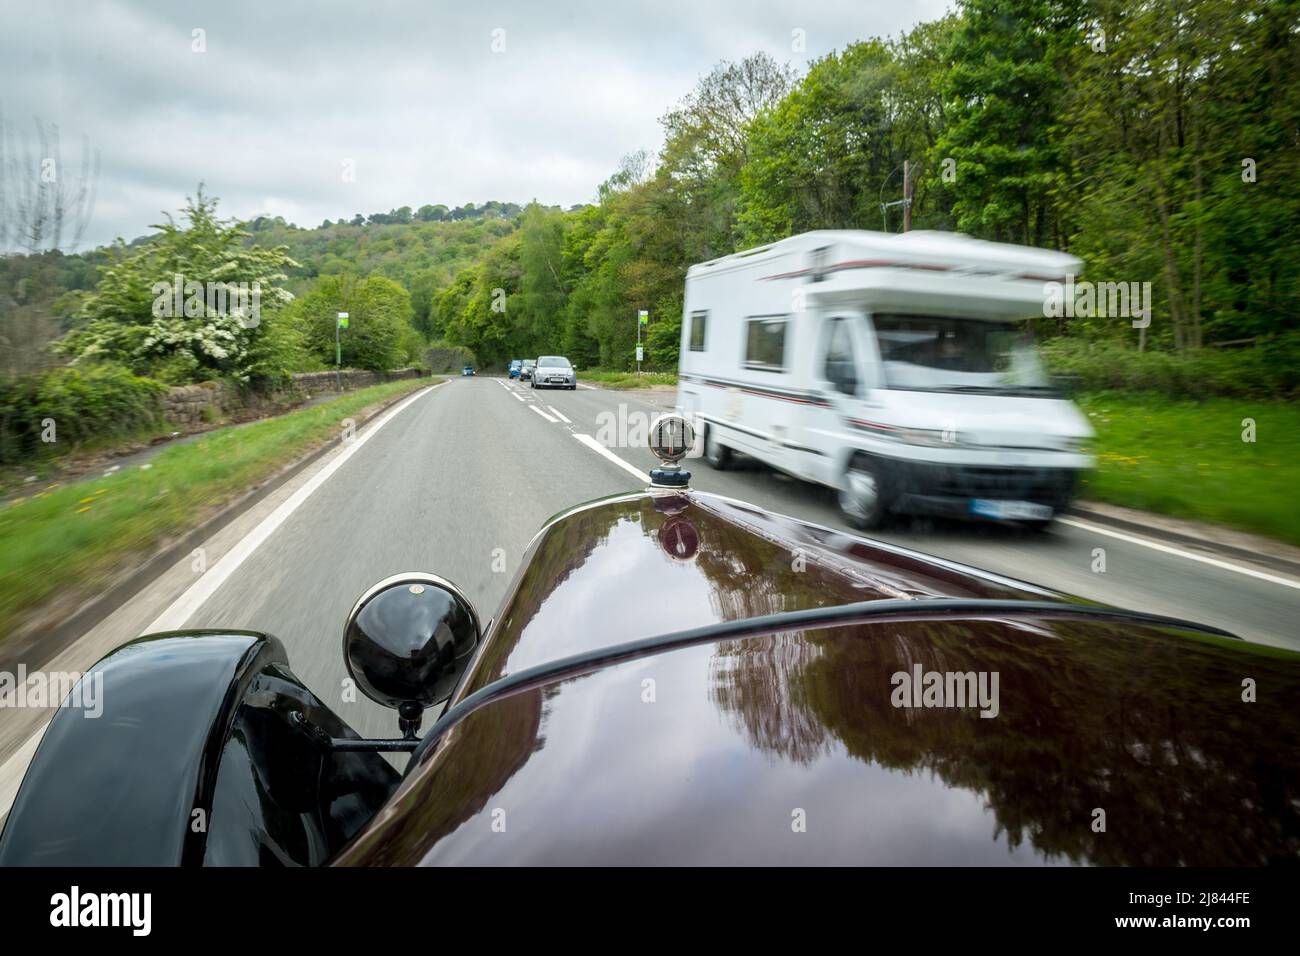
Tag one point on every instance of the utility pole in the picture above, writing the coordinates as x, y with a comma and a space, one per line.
905, 202
907, 196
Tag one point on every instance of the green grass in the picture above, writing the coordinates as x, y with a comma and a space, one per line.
72, 538
1187, 458
611, 379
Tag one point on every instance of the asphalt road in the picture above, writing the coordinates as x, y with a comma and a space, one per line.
457, 481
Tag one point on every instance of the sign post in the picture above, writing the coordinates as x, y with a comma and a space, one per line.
642, 318
342, 323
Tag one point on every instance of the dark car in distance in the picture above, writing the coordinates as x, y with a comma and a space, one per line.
681, 678
467, 370
526, 369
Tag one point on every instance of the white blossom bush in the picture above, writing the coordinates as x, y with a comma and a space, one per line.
123, 321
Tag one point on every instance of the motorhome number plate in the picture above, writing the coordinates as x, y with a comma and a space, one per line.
1010, 510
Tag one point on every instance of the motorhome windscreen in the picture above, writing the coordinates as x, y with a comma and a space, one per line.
944, 354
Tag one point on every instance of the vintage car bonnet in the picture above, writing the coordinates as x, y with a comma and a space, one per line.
1083, 740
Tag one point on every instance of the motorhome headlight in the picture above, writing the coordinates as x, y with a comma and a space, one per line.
929, 437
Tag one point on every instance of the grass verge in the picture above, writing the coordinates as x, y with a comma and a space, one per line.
1187, 458
608, 379
75, 537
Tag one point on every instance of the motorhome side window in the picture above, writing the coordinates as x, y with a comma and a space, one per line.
699, 320
765, 343
841, 369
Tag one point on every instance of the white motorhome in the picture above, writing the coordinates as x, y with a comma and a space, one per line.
892, 367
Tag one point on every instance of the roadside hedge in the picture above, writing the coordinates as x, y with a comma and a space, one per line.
1269, 369
97, 402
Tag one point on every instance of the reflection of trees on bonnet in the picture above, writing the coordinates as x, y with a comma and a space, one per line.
1148, 726
759, 684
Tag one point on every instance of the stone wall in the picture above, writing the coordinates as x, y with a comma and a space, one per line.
314, 383
194, 405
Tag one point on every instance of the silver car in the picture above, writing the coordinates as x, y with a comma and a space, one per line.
554, 371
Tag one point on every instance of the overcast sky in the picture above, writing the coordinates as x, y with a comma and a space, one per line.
411, 93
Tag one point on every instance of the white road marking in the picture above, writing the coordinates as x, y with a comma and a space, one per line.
180, 611
1190, 555
559, 414
543, 414
517, 396
592, 387
15, 768
184, 607
602, 450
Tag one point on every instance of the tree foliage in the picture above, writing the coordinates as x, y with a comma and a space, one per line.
128, 320
378, 336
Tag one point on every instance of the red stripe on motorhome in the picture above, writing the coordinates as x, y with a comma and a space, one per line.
798, 400
863, 264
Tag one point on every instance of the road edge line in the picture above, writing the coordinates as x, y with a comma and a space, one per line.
1281, 563
177, 614
50, 642
1180, 552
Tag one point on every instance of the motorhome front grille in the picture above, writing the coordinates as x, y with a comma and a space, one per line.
1019, 483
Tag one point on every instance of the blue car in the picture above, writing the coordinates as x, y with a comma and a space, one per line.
514, 368
467, 370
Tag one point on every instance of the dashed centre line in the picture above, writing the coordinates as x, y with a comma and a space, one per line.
556, 417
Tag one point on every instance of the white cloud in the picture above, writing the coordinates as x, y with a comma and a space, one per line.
410, 91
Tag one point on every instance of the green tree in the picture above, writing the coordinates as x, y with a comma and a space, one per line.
1003, 94
131, 316
707, 145
542, 289
379, 312
1165, 112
